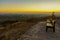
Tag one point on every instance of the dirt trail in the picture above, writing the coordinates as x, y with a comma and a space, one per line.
37, 32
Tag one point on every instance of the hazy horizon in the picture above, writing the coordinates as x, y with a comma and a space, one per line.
29, 14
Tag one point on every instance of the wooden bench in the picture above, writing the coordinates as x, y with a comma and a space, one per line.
51, 26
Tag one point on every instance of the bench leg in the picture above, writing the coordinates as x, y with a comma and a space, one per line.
53, 29
46, 28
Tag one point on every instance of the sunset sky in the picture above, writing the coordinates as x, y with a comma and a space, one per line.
29, 5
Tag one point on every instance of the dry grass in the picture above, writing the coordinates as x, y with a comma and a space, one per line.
14, 31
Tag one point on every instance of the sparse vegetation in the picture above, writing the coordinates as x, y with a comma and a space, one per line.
15, 27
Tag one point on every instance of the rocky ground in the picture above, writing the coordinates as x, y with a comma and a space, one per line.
38, 32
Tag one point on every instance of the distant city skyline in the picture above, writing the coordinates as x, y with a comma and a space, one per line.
29, 5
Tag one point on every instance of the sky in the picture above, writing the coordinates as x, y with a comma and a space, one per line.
29, 5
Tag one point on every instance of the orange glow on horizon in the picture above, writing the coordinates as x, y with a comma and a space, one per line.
28, 11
